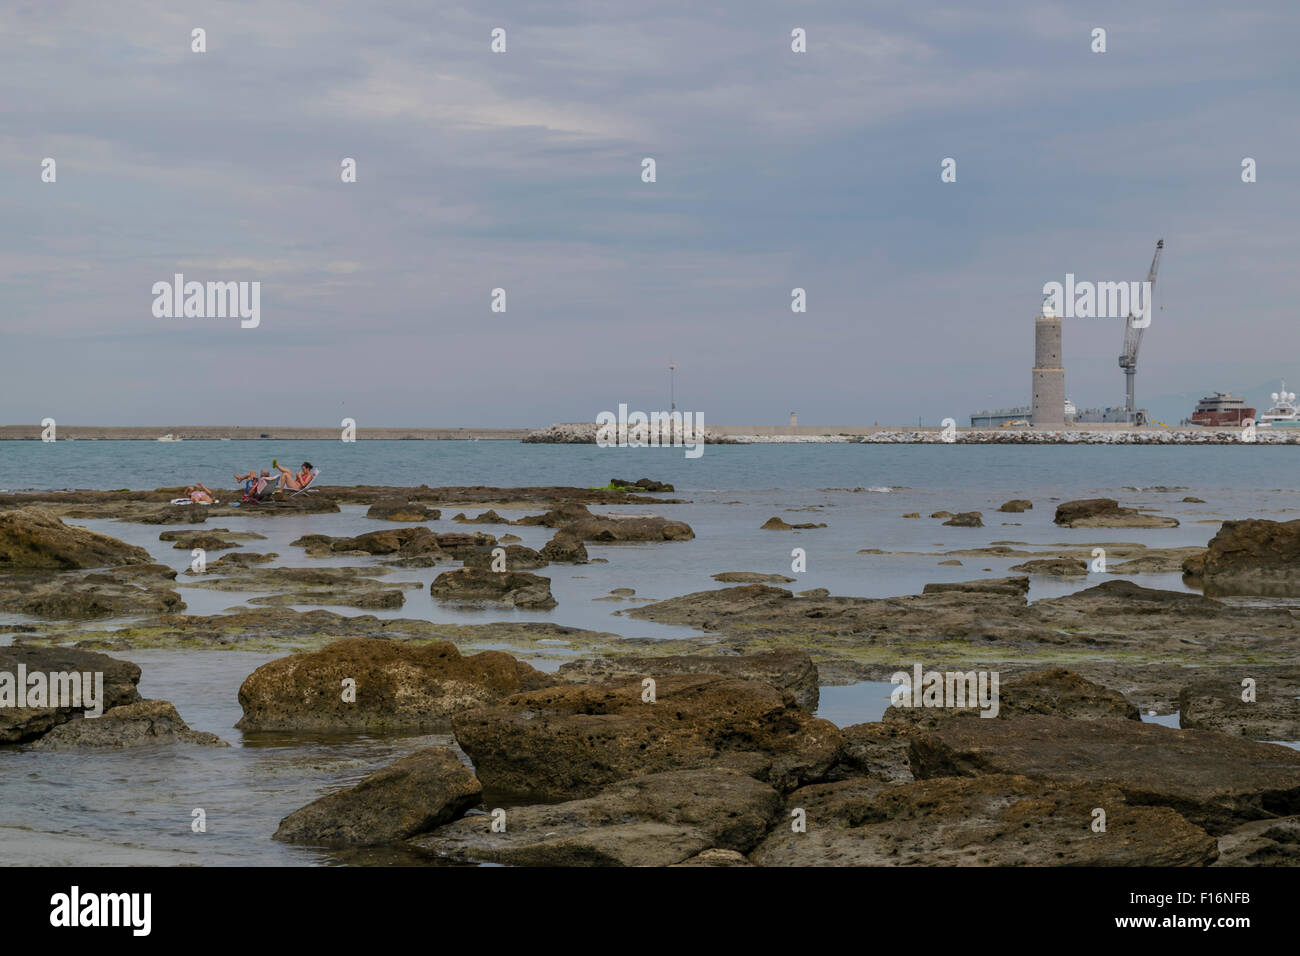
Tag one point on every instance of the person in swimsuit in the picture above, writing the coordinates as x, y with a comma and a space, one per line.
291, 481
253, 482
199, 494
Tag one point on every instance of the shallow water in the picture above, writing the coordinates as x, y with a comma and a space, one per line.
136, 806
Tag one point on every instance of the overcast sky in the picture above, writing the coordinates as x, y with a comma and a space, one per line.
522, 170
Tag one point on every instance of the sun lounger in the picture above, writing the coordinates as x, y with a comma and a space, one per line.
307, 488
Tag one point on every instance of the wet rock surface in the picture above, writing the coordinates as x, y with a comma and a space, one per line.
788, 669
139, 724
19, 724
1107, 513
397, 686
472, 585
657, 819
414, 795
571, 740
33, 539
1250, 557
399, 509
1272, 711
1055, 692
995, 820
1214, 780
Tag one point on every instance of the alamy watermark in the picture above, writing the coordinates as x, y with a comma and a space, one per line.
62, 689
655, 430
179, 299
956, 689
1098, 300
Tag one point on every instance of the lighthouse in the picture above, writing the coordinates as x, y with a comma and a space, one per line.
1048, 374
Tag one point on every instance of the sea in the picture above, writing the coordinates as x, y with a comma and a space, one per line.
145, 806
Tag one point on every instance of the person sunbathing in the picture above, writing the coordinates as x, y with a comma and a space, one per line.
198, 494
290, 481
253, 482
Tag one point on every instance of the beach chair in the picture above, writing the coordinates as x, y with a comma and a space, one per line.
261, 489
306, 489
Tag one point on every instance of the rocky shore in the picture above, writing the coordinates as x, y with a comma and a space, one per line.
703, 750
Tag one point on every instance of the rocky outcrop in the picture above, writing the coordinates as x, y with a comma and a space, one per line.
1271, 713
1012, 587
403, 542
1250, 557
751, 577
565, 548
1106, 513
460, 545
1214, 780
995, 820
1058, 567
486, 517
966, 519
1262, 843
399, 509
397, 686
1055, 692
19, 724
414, 795
1016, 505
641, 484
471, 584
571, 741
140, 724
123, 591
787, 669
657, 819
578, 520
32, 539
778, 524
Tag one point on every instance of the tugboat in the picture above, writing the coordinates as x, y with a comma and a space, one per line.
1284, 413
1221, 408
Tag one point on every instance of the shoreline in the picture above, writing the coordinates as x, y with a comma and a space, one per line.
583, 433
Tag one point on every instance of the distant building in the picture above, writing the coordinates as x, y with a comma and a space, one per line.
1048, 376
999, 417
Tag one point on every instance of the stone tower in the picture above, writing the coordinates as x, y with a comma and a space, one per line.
1049, 374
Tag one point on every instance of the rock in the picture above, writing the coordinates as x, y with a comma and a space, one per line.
398, 509
1192, 500
460, 545
1015, 586
32, 539
128, 725
1061, 567
1216, 704
1106, 513
1214, 780
815, 593
398, 686
716, 858
912, 514
241, 559
486, 517
775, 524
510, 539
1251, 557
175, 514
641, 484
787, 669
751, 577
1054, 692
1262, 843
127, 590
656, 819
566, 548
578, 519
208, 541
475, 584
518, 558
1016, 505
879, 750
414, 795
995, 820
403, 542
967, 519
19, 724
951, 564
572, 740
941, 514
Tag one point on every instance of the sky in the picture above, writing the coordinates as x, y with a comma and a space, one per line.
522, 170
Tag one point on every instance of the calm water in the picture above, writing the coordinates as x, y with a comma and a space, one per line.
136, 806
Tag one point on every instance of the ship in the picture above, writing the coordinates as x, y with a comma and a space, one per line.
1284, 413
1221, 408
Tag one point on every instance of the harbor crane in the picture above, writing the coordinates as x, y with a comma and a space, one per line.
1133, 329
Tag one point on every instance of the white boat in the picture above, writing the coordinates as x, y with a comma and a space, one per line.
170, 437
1284, 413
